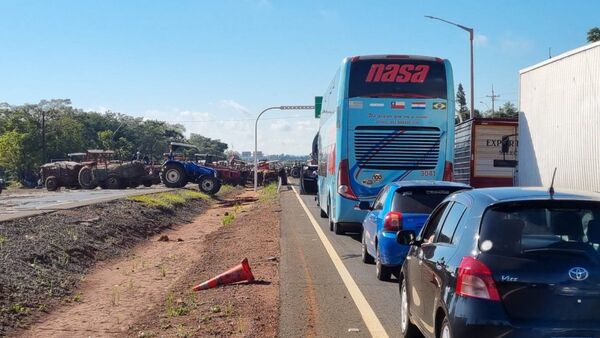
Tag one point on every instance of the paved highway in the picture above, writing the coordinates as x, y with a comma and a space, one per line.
28, 203
320, 298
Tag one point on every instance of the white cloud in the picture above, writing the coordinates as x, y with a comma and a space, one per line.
481, 40
280, 125
233, 105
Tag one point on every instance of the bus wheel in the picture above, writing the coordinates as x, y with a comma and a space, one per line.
329, 214
337, 228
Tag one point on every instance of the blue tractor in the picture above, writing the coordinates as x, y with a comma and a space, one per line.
177, 172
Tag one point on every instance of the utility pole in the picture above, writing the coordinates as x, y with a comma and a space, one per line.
493, 97
43, 136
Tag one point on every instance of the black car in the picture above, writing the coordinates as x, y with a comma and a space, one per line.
504, 262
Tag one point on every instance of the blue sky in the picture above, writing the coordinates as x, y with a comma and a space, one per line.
213, 65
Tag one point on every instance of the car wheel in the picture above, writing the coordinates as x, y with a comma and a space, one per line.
209, 185
407, 329
51, 183
366, 258
147, 184
445, 331
383, 273
174, 176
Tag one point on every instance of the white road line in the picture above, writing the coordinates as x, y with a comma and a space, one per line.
368, 315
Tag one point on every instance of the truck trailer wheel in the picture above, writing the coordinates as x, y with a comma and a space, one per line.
174, 176
113, 182
209, 185
51, 183
85, 178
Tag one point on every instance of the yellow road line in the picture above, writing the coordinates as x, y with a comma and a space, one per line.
368, 315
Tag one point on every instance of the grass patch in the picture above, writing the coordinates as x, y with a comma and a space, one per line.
268, 193
169, 200
226, 188
229, 218
174, 309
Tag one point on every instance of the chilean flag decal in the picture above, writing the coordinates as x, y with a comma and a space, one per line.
398, 105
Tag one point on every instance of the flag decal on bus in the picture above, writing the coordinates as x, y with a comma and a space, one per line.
418, 105
439, 105
398, 105
355, 104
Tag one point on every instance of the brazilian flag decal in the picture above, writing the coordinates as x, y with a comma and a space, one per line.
439, 105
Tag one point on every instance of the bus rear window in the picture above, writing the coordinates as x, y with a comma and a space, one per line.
397, 78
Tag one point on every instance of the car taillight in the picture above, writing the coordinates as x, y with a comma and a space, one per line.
344, 187
474, 279
392, 221
448, 174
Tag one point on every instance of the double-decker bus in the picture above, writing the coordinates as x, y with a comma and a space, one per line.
384, 118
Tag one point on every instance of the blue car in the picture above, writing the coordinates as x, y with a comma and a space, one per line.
399, 206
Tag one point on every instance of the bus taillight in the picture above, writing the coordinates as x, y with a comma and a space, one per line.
344, 187
448, 171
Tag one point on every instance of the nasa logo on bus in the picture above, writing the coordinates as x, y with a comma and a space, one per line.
439, 106
377, 177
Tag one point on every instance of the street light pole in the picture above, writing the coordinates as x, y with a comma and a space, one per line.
471, 34
256, 134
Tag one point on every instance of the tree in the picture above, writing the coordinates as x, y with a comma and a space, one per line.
12, 152
461, 102
508, 110
593, 34
207, 145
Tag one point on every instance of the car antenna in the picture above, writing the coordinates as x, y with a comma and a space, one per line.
551, 190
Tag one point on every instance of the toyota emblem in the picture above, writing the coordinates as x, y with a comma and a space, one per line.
377, 177
579, 274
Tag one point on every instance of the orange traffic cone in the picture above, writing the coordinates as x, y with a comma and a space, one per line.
239, 273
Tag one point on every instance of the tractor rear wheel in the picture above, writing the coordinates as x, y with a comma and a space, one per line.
173, 176
209, 185
113, 182
51, 183
85, 178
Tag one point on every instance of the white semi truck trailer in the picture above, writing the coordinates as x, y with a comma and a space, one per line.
559, 121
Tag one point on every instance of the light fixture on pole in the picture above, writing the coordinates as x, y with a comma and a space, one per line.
471, 33
256, 134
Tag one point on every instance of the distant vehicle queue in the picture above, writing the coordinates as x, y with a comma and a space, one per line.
484, 262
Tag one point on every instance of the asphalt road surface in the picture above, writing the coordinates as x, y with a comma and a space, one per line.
24, 203
320, 298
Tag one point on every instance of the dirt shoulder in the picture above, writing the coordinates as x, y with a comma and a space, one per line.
240, 310
147, 292
44, 258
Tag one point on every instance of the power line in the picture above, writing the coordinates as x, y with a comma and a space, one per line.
238, 120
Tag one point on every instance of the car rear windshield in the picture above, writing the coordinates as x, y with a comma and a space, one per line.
403, 78
419, 201
542, 227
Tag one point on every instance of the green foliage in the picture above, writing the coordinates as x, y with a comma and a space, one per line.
228, 218
206, 145
268, 192
507, 110
69, 129
12, 151
461, 103
593, 35
169, 200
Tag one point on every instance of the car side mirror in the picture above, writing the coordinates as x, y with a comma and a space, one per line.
407, 237
365, 205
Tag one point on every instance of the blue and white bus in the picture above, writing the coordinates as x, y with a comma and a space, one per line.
384, 118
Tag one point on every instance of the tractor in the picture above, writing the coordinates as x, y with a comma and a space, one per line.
177, 172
